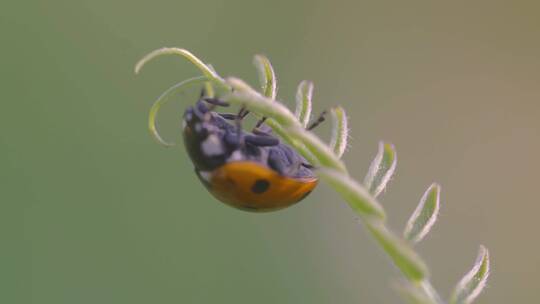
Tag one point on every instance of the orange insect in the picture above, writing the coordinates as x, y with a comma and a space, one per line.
252, 171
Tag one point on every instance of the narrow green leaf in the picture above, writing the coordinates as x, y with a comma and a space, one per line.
472, 284
304, 94
382, 169
340, 131
166, 96
267, 77
424, 216
353, 193
207, 71
404, 257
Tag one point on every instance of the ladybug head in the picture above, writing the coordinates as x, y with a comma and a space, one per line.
195, 121
205, 137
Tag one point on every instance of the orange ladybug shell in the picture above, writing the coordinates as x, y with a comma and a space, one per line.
251, 186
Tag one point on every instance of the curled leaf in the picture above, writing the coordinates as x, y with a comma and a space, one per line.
166, 96
382, 169
206, 70
472, 284
267, 77
353, 193
424, 216
340, 131
304, 94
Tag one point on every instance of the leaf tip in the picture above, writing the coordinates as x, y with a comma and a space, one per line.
267, 76
304, 94
474, 282
146, 58
382, 168
424, 216
340, 131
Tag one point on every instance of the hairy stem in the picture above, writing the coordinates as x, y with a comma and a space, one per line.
326, 158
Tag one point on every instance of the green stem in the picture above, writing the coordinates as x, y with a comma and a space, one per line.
430, 291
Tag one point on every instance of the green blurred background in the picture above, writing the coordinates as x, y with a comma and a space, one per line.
92, 210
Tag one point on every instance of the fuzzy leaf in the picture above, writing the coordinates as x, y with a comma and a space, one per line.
472, 284
267, 77
340, 131
206, 70
304, 94
353, 193
382, 169
424, 216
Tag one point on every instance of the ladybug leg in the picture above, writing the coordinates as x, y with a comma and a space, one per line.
262, 130
235, 138
259, 123
244, 113
261, 140
238, 122
309, 166
216, 102
320, 119
228, 116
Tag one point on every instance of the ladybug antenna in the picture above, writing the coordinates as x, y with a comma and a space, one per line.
238, 122
244, 113
259, 123
320, 119
228, 116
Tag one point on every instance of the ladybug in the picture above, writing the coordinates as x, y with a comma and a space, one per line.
251, 171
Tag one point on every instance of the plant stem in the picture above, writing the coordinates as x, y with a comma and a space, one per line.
430, 291
331, 169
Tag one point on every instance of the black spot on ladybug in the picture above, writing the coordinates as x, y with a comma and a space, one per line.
230, 182
260, 186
